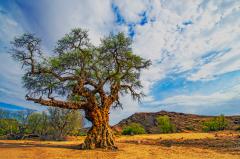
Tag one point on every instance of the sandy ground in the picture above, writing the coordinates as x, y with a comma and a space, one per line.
130, 147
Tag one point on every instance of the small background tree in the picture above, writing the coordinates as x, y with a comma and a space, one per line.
65, 121
38, 124
23, 117
165, 125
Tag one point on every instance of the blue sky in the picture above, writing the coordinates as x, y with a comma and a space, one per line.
194, 46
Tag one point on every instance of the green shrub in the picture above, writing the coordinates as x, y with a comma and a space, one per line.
133, 129
215, 124
165, 124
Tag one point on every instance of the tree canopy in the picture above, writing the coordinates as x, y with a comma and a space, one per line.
79, 71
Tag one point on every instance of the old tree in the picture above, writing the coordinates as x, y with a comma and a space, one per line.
80, 75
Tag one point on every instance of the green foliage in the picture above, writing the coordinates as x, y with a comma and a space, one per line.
9, 126
215, 124
165, 124
133, 129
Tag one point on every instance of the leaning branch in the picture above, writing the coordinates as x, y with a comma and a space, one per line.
58, 103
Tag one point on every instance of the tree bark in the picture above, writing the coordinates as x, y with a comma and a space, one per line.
100, 135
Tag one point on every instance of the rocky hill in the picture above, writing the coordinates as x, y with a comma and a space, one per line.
183, 122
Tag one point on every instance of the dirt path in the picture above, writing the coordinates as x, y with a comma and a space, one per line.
12, 149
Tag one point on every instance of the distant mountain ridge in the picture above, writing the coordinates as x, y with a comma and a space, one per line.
11, 107
183, 122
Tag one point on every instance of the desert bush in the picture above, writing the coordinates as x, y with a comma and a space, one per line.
165, 124
216, 124
133, 129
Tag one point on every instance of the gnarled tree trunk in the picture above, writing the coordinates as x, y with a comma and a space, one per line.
100, 135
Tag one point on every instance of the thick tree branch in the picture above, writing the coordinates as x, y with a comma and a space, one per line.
58, 103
